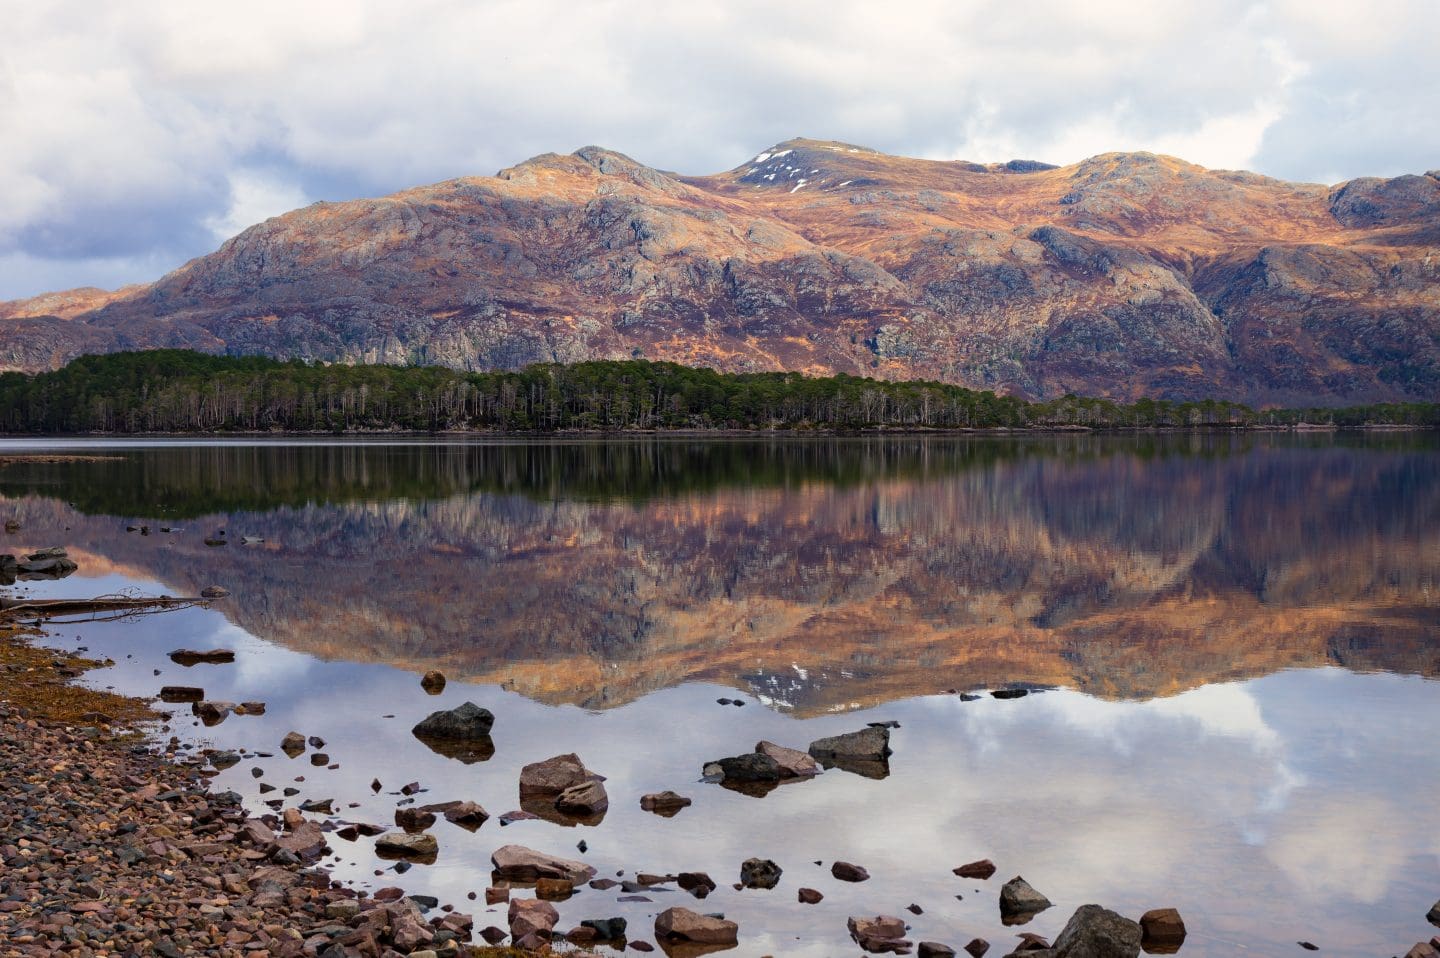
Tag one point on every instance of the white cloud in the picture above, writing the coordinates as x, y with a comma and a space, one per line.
135, 131
254, 197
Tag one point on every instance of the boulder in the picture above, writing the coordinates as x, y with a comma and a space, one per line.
518, 863
189, 657
682, 924
468, 815
866, 752
1019, 902
531, 916
1095, 932
750, 767
667, 804
606, 929
463, 723
414, 819
1161, 928
793, 762
844, 871
981, 870
760, 873
583, 800
880, 935
554, 889
549, 778
433, 682
418, 847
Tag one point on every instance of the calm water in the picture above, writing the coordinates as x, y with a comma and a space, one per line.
1238, 638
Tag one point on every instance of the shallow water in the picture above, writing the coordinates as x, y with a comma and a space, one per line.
1239, 636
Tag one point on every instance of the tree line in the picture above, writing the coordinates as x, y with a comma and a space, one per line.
183, 391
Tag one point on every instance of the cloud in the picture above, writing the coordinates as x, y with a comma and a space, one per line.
137, 133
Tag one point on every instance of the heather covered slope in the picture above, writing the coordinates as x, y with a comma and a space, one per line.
1125, 275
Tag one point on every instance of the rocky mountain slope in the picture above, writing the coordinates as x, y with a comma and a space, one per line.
1126, 275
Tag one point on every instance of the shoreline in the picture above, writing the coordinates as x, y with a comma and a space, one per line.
120, 846
778, 433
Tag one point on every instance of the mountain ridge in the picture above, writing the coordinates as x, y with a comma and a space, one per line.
1124, 275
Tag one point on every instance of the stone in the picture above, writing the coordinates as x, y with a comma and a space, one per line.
682, 924
982, 870
496, 896
414, 819
1433, 915
468, 815
214, 592
584, 799
844, 871
698, 884
1160, 927
880, 935
793, 762
292, 744
1030, 943
977, 948
466, 722
433, 682
518, 863
934, 949
1019, 902
189, 657
606, 929
1096, 932
809, 896
554, 889
869, 743
865, 753
493, 935
667, 803
530, 916
176, 694
1423, 949
1010, 693
548, 779
212, 713
750, 767
417, 847
760, 873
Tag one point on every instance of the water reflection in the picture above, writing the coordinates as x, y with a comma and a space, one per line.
820, 575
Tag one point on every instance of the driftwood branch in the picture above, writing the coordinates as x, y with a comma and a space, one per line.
105, 606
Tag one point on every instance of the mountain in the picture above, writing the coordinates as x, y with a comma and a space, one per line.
1125, 275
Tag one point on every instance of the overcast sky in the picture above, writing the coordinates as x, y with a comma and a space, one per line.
134, 136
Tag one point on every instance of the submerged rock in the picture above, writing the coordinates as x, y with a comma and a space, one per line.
682, 924
189, 657
1161, 930
880, 934
866, 752
1096, 932
518, 863
417, 847
1019, 902
793, 762
982, 870
466, 722
760, 873
667, 803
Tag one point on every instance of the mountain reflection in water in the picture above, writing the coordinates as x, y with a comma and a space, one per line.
821, 575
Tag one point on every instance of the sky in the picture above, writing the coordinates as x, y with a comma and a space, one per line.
136, 136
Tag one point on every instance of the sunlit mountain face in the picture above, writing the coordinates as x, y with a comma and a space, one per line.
823, 575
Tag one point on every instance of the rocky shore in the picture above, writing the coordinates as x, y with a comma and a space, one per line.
109, 847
